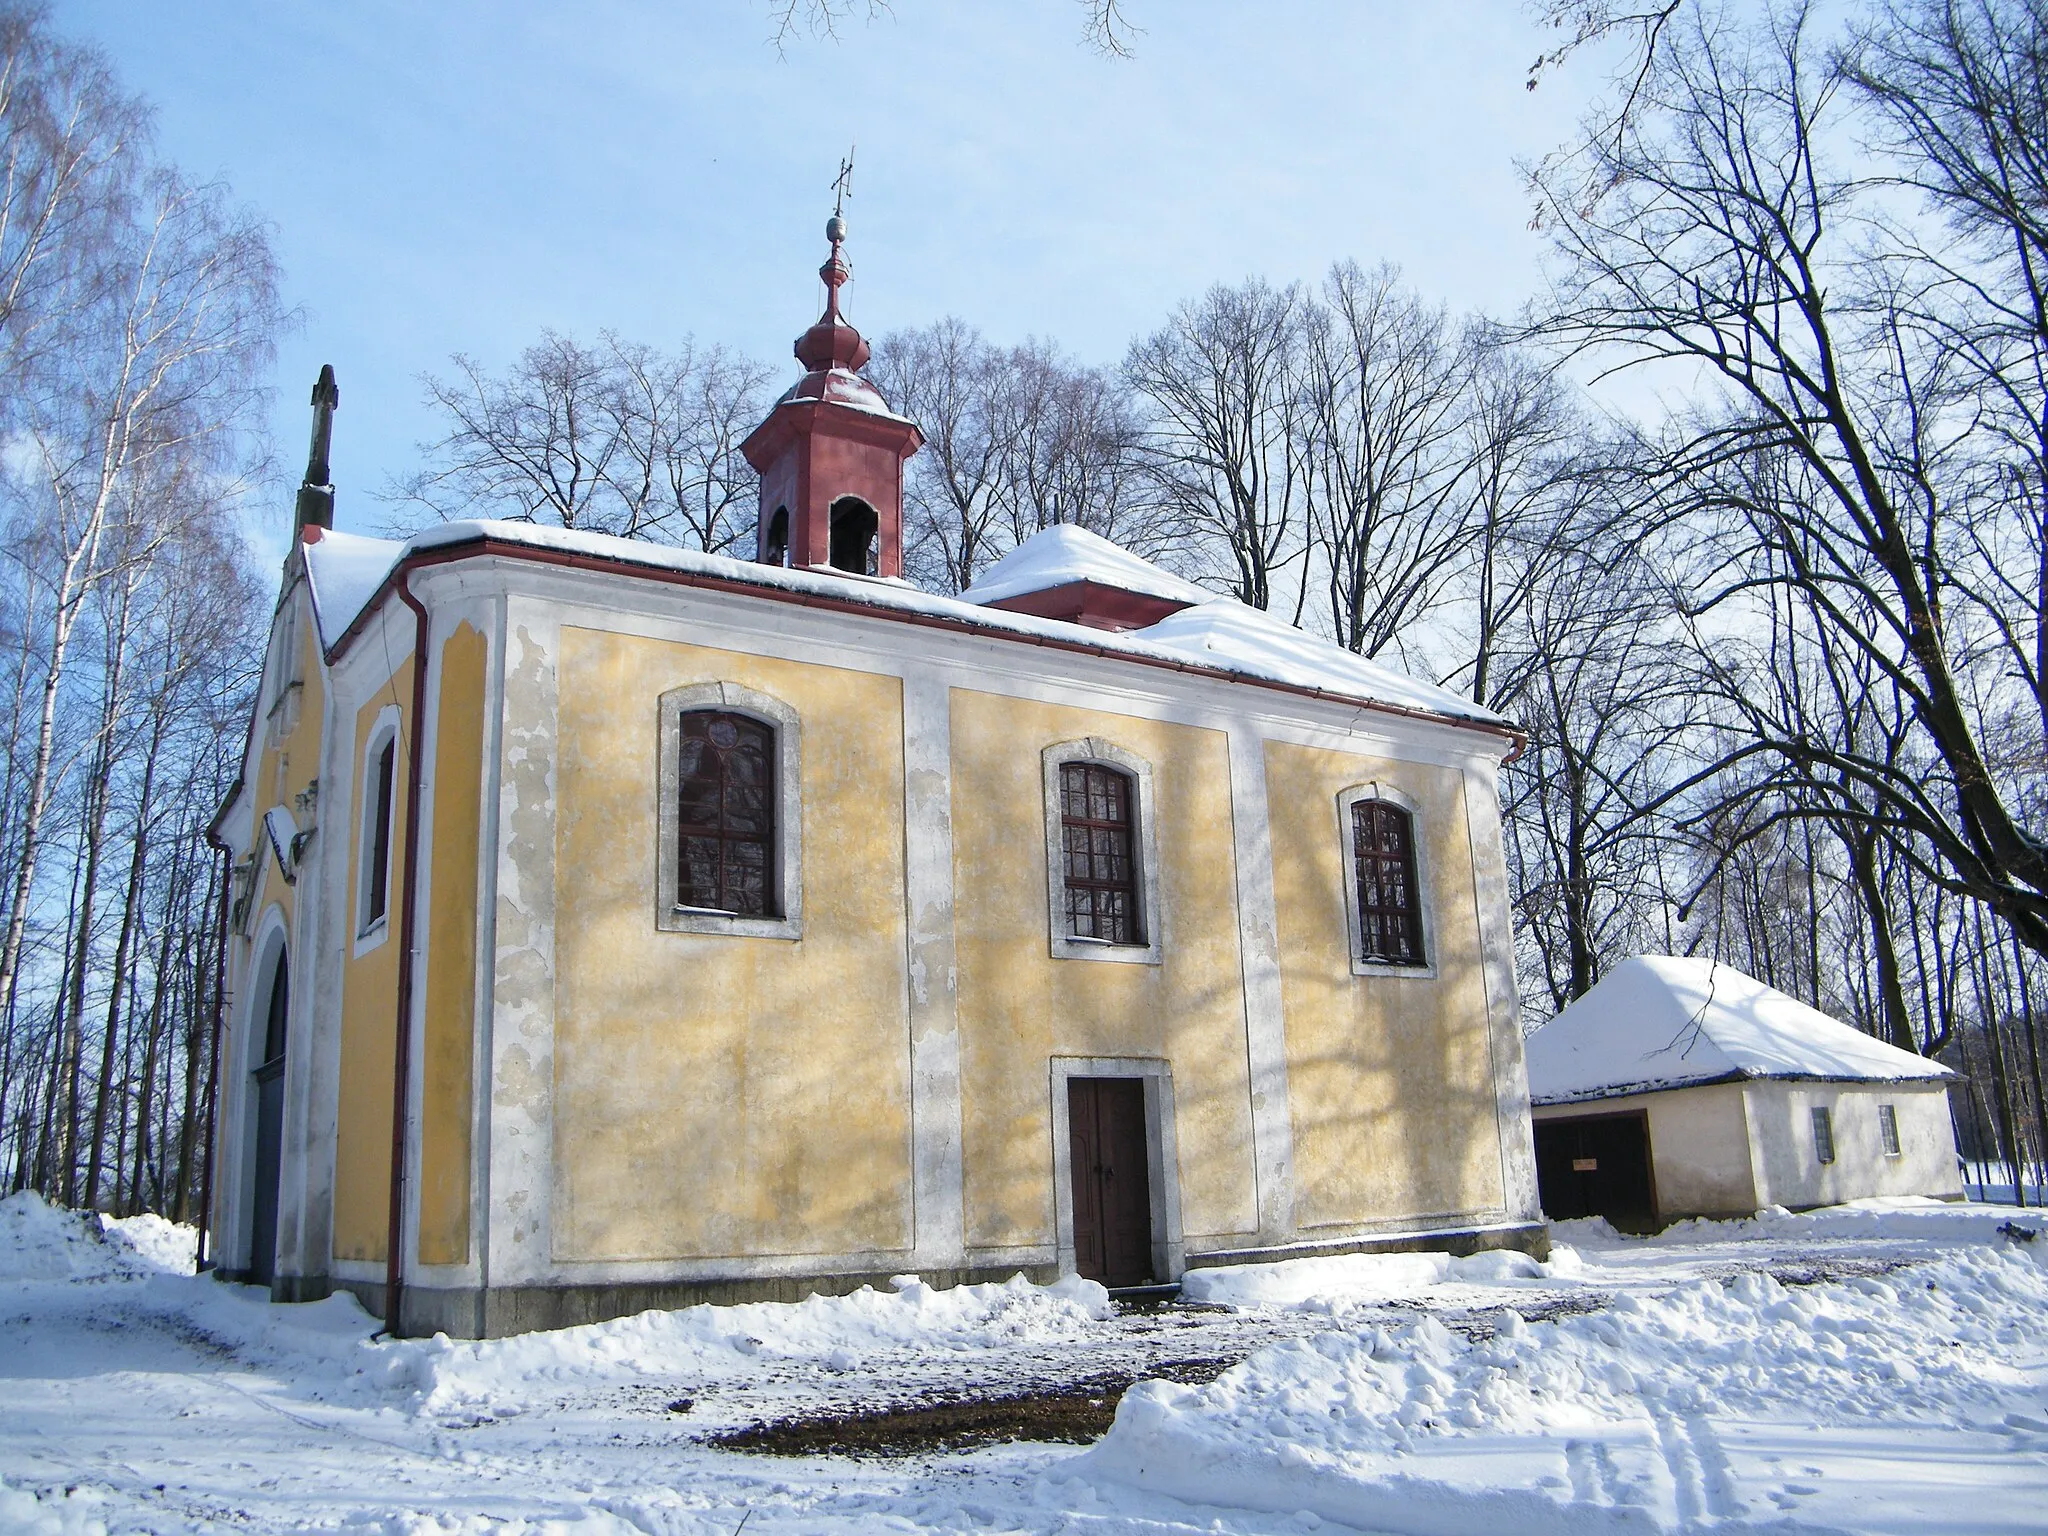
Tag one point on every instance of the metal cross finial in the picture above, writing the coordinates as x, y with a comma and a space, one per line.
842, 184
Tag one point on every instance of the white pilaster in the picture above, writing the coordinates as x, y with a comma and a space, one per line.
938, 1177
1258, 928
1503, 998
522, 1037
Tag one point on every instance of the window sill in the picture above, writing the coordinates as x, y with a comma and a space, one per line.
1066, 946
372, 937
731, 925
1387, 968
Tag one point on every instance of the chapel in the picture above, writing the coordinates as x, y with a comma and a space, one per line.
617, 926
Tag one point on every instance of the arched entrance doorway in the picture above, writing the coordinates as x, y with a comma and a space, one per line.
268, 1092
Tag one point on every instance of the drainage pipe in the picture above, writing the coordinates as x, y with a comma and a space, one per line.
401, 1066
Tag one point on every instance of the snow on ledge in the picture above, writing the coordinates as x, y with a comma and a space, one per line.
348, 571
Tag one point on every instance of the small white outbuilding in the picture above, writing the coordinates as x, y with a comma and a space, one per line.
1681, 1087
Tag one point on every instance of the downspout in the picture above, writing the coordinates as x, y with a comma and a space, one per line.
203, 1261
401, 1069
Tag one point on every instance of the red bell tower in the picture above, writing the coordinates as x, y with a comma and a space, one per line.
831, 453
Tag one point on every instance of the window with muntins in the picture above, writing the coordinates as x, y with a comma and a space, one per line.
1888, 1129
1383, 858
1823, 1136
1097, 817
725, 821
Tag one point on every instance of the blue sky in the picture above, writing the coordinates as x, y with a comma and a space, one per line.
457, 175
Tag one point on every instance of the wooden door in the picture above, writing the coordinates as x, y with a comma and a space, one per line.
269, 1086
1598, 1165
1112, 1184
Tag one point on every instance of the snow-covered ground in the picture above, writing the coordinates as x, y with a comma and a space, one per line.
1879, 1368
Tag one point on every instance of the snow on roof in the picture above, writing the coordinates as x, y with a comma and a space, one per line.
1665, 1021
1231, 637
1222, 635
1064, 554
345, 571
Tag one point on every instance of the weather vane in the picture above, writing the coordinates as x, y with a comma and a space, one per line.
842, 184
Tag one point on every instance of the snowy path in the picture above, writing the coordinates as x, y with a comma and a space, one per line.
1893, 1377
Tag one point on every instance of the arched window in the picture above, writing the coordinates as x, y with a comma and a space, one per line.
1098, 817
1101, 854
725, 814
775, 548
379, 796
1388, 894
853, 536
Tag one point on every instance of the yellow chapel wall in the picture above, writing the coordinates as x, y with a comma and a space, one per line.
1019, 1006
369, 1001
449, 1023
719, 1096
1390, 1077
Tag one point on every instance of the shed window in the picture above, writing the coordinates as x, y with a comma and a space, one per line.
725, 821
1888, 1129
1097, 806
1383, 855
1823, 1136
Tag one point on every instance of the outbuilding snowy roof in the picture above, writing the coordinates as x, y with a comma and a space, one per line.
1065, 553
1665, 1021
347, 571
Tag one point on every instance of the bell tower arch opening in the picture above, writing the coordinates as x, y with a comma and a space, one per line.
854, 525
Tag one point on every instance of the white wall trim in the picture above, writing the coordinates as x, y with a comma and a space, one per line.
520, 1101
770, 627
1493, 921
1258, 929
938, 1163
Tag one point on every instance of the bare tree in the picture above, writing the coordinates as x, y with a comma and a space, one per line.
617, 438
167, 370
1384, 401
958, 498
1106, 26
1226, 448
1016, 439
1712, 230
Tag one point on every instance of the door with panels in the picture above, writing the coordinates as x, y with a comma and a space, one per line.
1112, 1183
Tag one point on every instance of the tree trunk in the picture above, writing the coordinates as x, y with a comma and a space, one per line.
137, 861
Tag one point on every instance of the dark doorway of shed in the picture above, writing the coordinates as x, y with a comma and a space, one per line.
1597, 1165
269, 1091
1112, 1183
